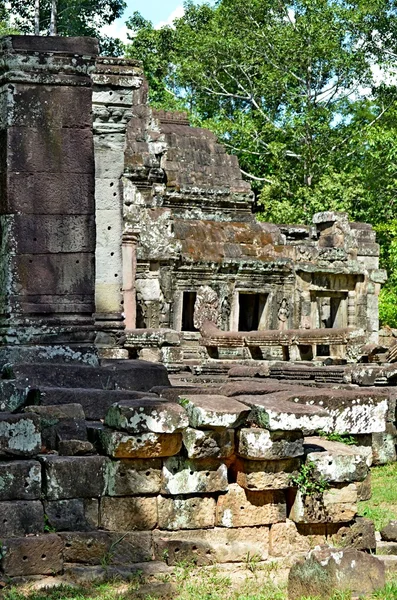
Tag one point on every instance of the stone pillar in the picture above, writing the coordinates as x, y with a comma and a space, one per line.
47, 209
117, 82
351, 309
130, 240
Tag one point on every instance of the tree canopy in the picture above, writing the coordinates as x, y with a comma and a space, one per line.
73, 18
302, 91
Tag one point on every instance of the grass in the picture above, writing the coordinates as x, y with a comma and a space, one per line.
382, 507
191, 584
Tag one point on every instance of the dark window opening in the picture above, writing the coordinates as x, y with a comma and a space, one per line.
323, 350
189, 299
251, 312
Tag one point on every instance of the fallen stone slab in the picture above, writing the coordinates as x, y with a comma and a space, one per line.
359, 535
386, 548
147, 415
136, 375
95, 402
212, 411
20, 480
333, 505
128, 513
20, 517
133, 477
19, 435
75, 514
208, 443
182, 476
334, 461
357, 411
265, 474
262, 444
389, 532
328, 570
244, 508
209, 546
186, 513
277, 412
145, 445
74, 476
37, 555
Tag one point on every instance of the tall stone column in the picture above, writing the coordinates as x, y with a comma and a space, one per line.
47, 208
117, 86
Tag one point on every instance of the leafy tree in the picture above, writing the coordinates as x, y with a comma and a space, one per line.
73, 17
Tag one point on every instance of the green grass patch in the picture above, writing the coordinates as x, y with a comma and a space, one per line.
192, 584
382, 507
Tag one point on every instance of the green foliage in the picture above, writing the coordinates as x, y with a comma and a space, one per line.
75, 18
382, 506
307, 483
344, 438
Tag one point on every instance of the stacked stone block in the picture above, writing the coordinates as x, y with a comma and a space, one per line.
209, 478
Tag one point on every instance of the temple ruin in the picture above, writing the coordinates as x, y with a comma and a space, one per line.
168, 363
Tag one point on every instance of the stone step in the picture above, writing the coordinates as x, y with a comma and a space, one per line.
95, 402
133, 375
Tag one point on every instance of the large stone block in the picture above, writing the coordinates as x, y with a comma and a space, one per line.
262, 444
147, 415
40, 555
19, 435
133, 477
57, 152
74, 476
181, 476
285, 540
76, 514
243, 508
54, 233
208, 444
335, 461
208, 412
329, 570
65, 106
128, 514
54, 274
276, 413
209, 546
38, 193
107, 547
144, 445
20, 480
186, 513
334, 505
266, 474
20, 518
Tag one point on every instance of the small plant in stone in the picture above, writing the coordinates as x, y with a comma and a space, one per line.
307, 483
252, 562
343, 438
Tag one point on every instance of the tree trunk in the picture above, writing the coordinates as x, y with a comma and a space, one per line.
37, 17
53, 22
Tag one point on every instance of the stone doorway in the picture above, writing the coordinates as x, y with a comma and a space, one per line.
252, 311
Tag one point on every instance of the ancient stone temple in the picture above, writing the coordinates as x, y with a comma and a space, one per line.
193, 253
131, 235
